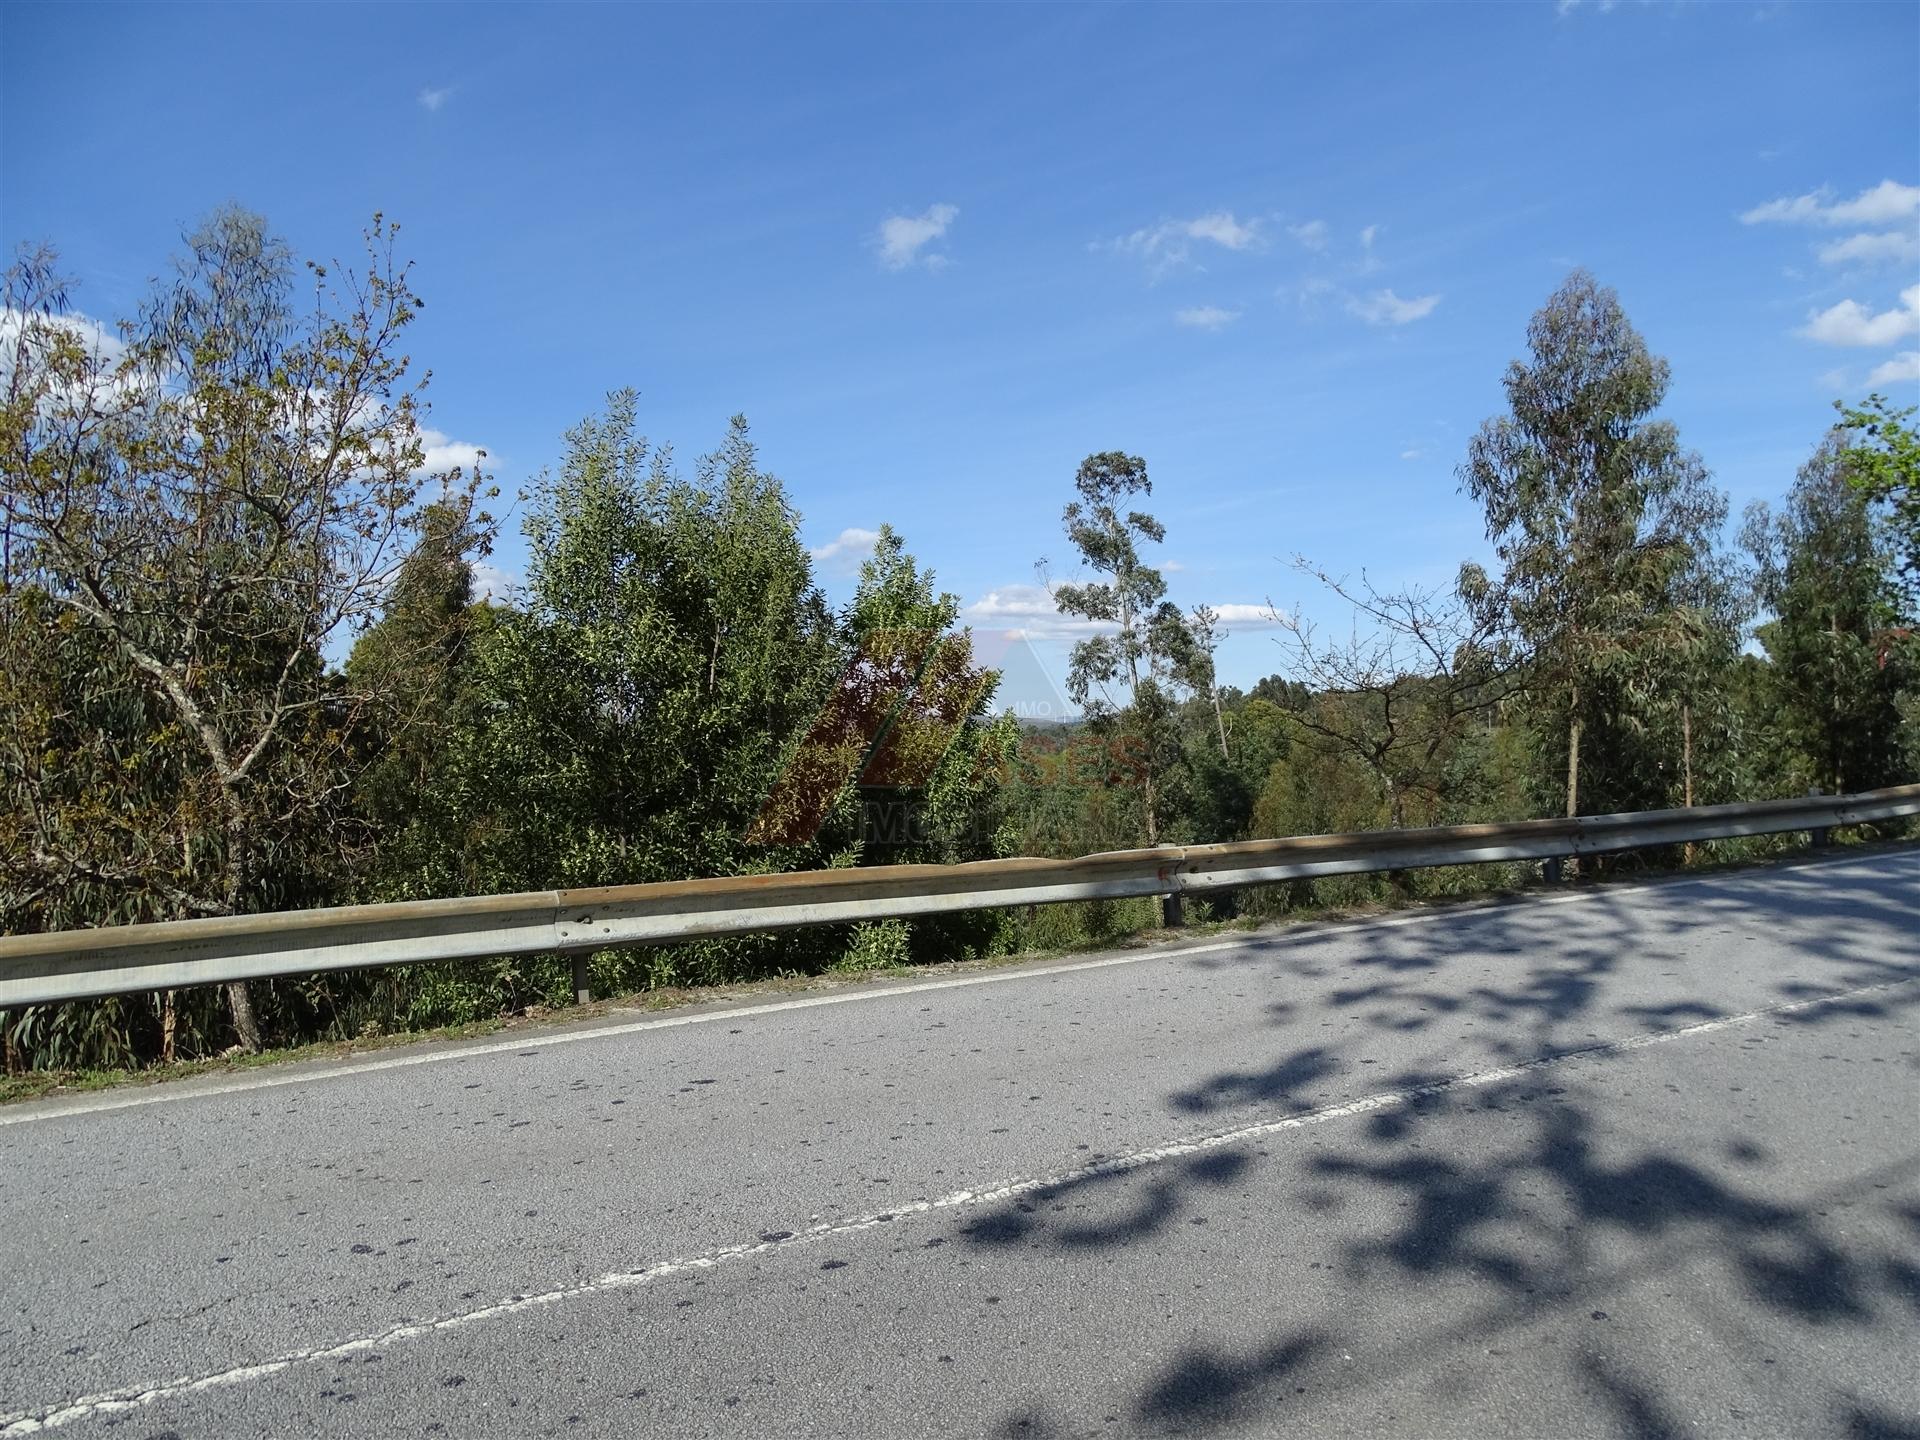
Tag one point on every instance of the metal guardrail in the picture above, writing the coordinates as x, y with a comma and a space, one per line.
75, 964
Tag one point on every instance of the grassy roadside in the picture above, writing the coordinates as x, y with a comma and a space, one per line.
42, 1083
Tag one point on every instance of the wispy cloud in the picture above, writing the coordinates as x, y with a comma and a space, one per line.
1028, 611
1851, 323
1222, 229
1236, 615
1883, 204
903, 238
1383, 307
1310, 233
844, 554
1172, 242
1205, 317
1894, 247
432, 99
1903, 367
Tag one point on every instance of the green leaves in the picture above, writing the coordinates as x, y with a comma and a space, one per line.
1605, 528
1882, 459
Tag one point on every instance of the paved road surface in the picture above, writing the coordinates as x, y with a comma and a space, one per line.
1636, 1161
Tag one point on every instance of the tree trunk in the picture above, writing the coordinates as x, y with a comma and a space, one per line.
246, 1025
168, 1018
1573, 762
1397, 818
1221, 721
1686, 766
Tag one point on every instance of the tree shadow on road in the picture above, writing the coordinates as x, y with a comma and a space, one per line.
1522, 1200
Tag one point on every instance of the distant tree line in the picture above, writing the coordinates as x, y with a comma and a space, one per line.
243, 665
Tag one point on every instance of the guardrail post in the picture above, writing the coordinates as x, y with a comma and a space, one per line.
1822, 836
1172, 915
582, 981
1551, 869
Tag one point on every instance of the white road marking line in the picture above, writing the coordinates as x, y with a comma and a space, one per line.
52, 1417
27, 1113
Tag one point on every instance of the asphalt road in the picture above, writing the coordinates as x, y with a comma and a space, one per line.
1629, 1161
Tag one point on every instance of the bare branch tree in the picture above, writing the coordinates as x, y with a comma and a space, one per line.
1413, 670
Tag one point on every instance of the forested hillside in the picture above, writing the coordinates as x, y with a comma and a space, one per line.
244, 667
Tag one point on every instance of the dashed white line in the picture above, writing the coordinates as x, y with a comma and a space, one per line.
65, 1412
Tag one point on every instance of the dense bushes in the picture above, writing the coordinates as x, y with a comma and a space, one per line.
197, 521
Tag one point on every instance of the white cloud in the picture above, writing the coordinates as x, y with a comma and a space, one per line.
1383, 307
1222, 229
1851, 323
1368, 236
1170, 567
1171, 242
1882, 205
1892, 248
444, 452
1028, 612
98, 337
1311, 233
1903, 367
844, 554
1412, 454
106, 385
492, 584
1238, 616
431, 99
901, 238
1205, 317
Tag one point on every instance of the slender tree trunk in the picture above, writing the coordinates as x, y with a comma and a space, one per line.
1397, 818
1220, 720
246, 1025
1686, 750
1686, 765
168, 1019
1573, 761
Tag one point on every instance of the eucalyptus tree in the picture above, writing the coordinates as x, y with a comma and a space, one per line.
1882, 455
1604, 526
217, 497
1121, 673
1825, 569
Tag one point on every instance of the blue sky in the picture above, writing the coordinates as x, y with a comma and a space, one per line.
937, 255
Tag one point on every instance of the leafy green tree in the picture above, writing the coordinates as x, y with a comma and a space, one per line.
630, 722
1122, 676
939, 739
216, 499
1882, 458
1604, 526
1825, 570
416, 661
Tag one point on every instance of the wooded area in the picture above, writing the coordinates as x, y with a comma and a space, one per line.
243, 666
